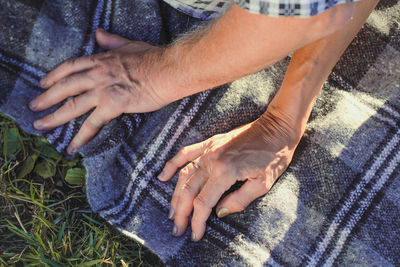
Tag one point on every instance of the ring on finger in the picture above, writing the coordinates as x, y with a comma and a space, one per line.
195, 165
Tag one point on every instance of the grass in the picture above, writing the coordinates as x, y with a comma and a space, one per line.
45, 219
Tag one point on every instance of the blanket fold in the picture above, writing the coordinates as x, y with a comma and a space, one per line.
337, 203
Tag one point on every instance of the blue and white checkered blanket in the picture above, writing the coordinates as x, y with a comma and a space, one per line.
338, 203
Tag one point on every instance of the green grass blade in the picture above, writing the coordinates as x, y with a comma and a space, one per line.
49, 262
91, 263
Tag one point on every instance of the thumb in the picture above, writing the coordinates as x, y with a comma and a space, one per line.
108, 40
239, 200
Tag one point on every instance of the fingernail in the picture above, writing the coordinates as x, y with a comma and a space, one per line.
193, 237
33, 104
222, 212
71, 150
175, 231
161, 175
38, 125
171, 214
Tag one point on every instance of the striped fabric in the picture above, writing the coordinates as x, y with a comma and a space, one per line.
208, 9
337, 204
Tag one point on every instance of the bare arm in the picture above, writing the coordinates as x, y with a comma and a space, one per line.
240, 43
260, 151
135, 77
311, 65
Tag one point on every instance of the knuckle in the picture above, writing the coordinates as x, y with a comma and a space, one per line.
220, 167
71, 62
92, 58
240, 203
216, 137
50, 118
71, 105
182, 151
266, 185
187, 188
183, 174
78, 139
200, 203
180, 156
65, 80
214, 153
106, 55
94, 123
100, 70
119, 93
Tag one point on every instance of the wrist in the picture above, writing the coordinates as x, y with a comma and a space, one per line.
171, 75
285, 124
296, 97
161, 74
191, 65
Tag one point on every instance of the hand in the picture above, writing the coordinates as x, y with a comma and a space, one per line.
122, 80
258, 152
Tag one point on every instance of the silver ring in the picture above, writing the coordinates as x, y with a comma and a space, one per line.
195, 165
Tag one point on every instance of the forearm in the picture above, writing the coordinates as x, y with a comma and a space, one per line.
237, 44
310, 67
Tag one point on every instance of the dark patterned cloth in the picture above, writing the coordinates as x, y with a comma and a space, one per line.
207, 9
337, 204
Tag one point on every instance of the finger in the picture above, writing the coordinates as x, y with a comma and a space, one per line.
68, 86
205, 201
89, 128
184, 175
73, 108
110, 41
67, 68
184, 204
184, 155
239, 200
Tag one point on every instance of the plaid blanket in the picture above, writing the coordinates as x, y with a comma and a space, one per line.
337, 204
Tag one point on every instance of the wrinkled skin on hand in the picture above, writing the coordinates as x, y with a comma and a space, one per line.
258, 152
115, 82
